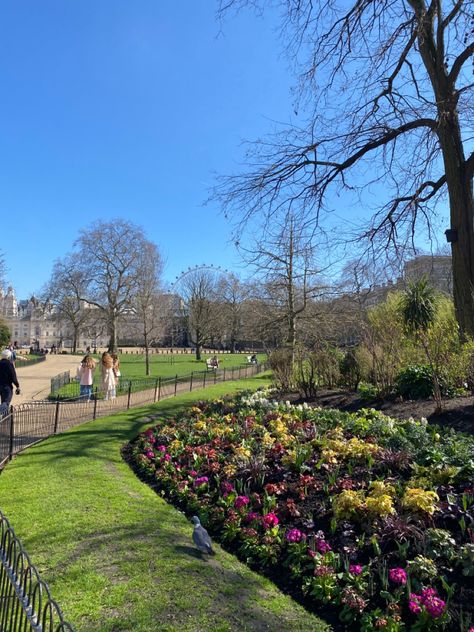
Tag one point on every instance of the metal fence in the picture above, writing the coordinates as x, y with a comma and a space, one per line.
25, 600
34, 421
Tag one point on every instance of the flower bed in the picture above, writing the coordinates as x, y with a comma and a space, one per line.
366, 515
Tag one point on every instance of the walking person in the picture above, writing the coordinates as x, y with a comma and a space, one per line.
108, 377
8, 378
85, 375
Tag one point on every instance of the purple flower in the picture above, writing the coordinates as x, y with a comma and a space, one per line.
150, 454
355, 569
435, 607
270, 520
226, 487
295, 535
323, 571
201, 480
414, 605
241, 501
251, 516
397, 576
161, 448
322, 546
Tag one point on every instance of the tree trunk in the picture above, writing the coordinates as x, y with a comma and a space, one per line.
113, 335
147, 354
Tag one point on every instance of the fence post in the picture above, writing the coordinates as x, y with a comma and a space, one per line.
204, 379
191, 381
129, 393
215, 376
224, 375
175, 384
56, 416
12, 434
94, 416
156, 388
159, 388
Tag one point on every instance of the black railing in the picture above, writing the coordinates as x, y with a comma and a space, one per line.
59, 381
25, 600
26, 424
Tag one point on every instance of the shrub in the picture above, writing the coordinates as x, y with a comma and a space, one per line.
415, 382
354, 367
281, 363
367, 391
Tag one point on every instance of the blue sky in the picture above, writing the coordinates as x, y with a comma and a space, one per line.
120, 109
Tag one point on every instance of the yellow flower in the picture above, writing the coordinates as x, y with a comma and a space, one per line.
242, 451
379, 488
200, 425
176, 445
230, 470
268, 440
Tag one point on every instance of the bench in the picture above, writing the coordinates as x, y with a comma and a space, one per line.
210, 365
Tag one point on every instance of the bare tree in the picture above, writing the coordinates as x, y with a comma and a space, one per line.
390, 107
198, 289
112, 259
232, 294
148, 303
64, 292
284, 259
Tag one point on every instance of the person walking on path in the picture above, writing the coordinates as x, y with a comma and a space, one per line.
85, 374
108, 377
8, 378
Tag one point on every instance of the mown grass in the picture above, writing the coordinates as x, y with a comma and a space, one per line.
116, 556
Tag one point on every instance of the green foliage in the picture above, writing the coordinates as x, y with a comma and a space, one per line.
5, 335
415, 382
418, 306
367, 391
354, 366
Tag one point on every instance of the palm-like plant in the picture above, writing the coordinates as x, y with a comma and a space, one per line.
418, 308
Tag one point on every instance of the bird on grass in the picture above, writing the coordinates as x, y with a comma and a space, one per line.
201, 537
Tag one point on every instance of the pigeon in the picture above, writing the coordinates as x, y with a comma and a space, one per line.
201, 537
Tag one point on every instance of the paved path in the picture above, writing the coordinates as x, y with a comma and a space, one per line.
35, 380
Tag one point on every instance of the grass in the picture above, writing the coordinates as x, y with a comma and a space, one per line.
116, 556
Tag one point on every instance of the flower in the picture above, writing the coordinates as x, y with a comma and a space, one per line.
323, 571
161, 448
397, 576
241, 501
270, 520
355, 569
227, 487
429, 599
295, 535
201, 480
322, 546
150, 454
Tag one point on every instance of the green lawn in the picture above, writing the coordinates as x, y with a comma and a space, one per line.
116, 556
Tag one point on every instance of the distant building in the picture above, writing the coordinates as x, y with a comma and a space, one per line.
437, 268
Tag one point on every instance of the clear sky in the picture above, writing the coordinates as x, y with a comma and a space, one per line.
114, 108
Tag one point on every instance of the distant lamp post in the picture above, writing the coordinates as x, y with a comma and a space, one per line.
451, 235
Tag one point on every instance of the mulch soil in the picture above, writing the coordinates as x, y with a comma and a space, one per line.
458, 413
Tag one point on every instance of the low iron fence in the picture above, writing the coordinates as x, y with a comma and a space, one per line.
60, 381
29, 423
25, 600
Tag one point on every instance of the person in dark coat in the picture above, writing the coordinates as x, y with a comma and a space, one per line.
8, 378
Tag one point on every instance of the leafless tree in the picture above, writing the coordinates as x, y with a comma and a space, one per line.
231, 296
112, 257
148, 304
386, 91
284, 260
64, 292
198, 289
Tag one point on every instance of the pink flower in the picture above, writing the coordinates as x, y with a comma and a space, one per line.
167, 457
355, 569
397, 576
414, 604
270, 520
322, 546
193, 473
150, 454
251, 516
161, 448
227, 487
241, 501
295, 535
323, 570
201, 480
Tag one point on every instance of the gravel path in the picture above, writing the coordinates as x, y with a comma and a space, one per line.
35, 380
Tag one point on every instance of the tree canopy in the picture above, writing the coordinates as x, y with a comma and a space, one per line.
384, 104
